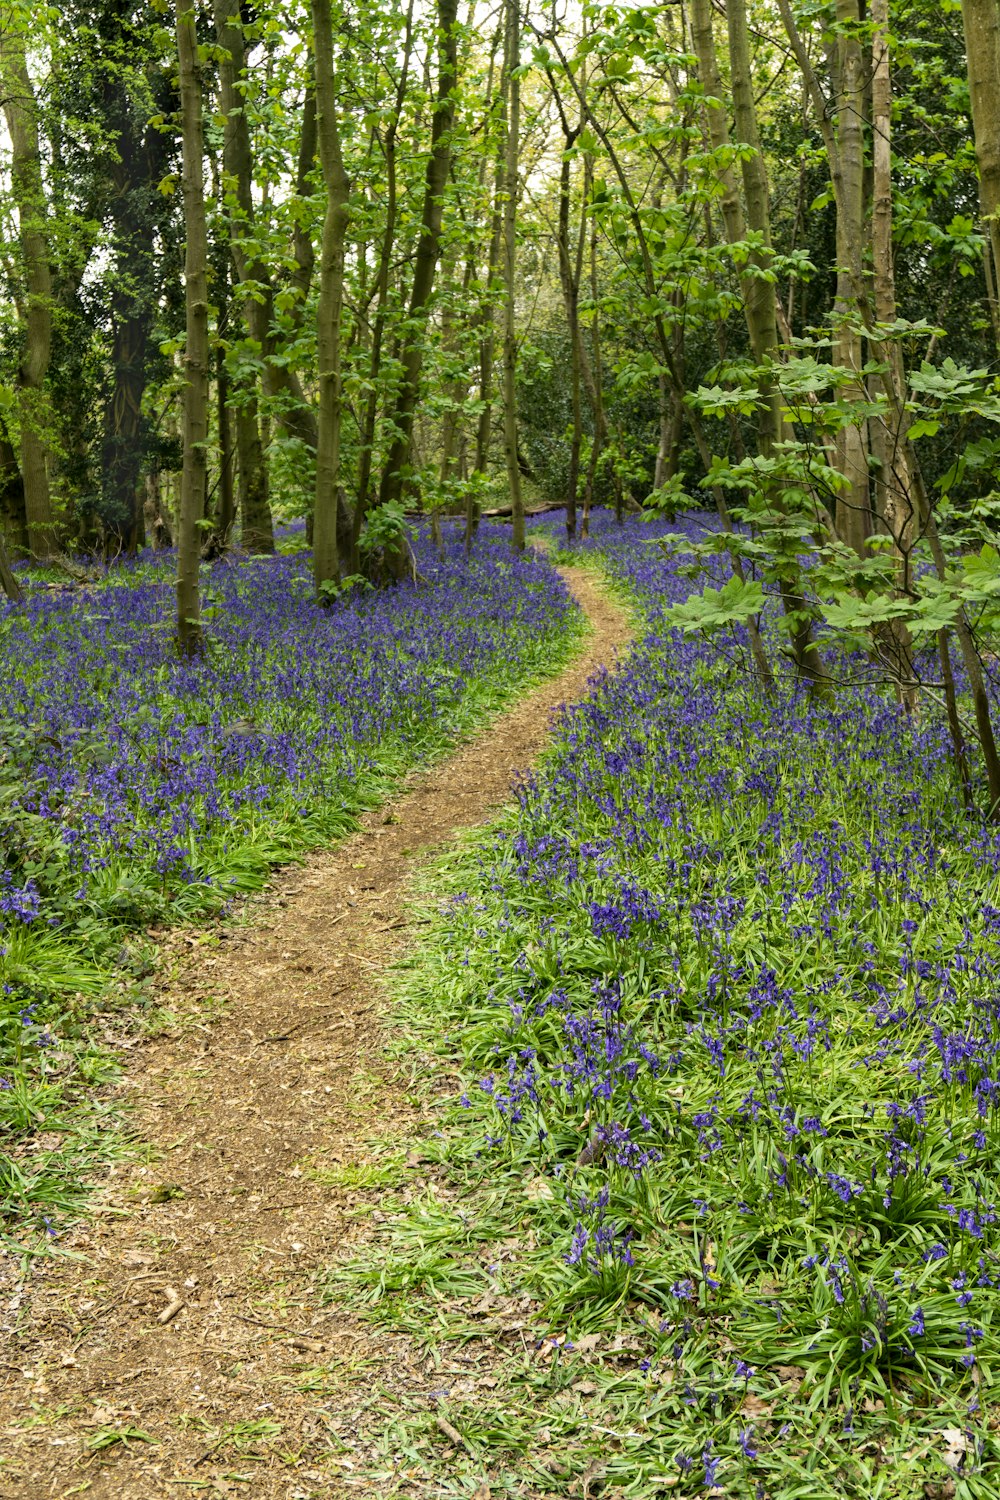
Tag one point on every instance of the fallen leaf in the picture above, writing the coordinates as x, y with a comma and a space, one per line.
956, 1446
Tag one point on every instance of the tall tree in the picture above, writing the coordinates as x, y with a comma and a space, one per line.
326, 560
981, 20
849, 164
759, 297
21, 113
196, 348
257, 533
427, 254
512, 142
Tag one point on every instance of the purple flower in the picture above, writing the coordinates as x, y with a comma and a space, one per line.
746, 1443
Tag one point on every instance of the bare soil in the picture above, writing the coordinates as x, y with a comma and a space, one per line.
182, 1350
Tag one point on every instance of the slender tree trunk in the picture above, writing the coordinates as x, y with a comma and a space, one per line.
226, 508
20, 110
367, 453
121, 450
134, 171
196, 353
427, 255
981, 19
595, 386
853, 507
760, 299
256, 525
569, 278
326, 560
759, 295
457, 389
665, 404
928, 521
571, 297
157, 525
894, 504
487, 350
512, 145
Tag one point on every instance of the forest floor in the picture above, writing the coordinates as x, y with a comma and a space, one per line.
188, 1346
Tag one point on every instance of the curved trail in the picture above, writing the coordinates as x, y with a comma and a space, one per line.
238, 1106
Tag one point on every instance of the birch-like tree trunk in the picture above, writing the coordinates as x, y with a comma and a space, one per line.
196, 352
21, 113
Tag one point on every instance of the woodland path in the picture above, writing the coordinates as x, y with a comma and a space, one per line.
238, 1102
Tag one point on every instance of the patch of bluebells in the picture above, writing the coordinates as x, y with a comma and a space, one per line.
136, 785
135, 758
752, 950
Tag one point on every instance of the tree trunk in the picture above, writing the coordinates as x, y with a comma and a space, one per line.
121, 448
487, 351
326, 558
196, 354
853, 504
760, 302
135, 170
256, 524
20, 110
595, 391
569, 278
427, 255
367, 450
512, 132
225, 512
157, 526
981, 19
895, 506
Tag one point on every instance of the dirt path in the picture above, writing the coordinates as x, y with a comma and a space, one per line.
228, 1217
